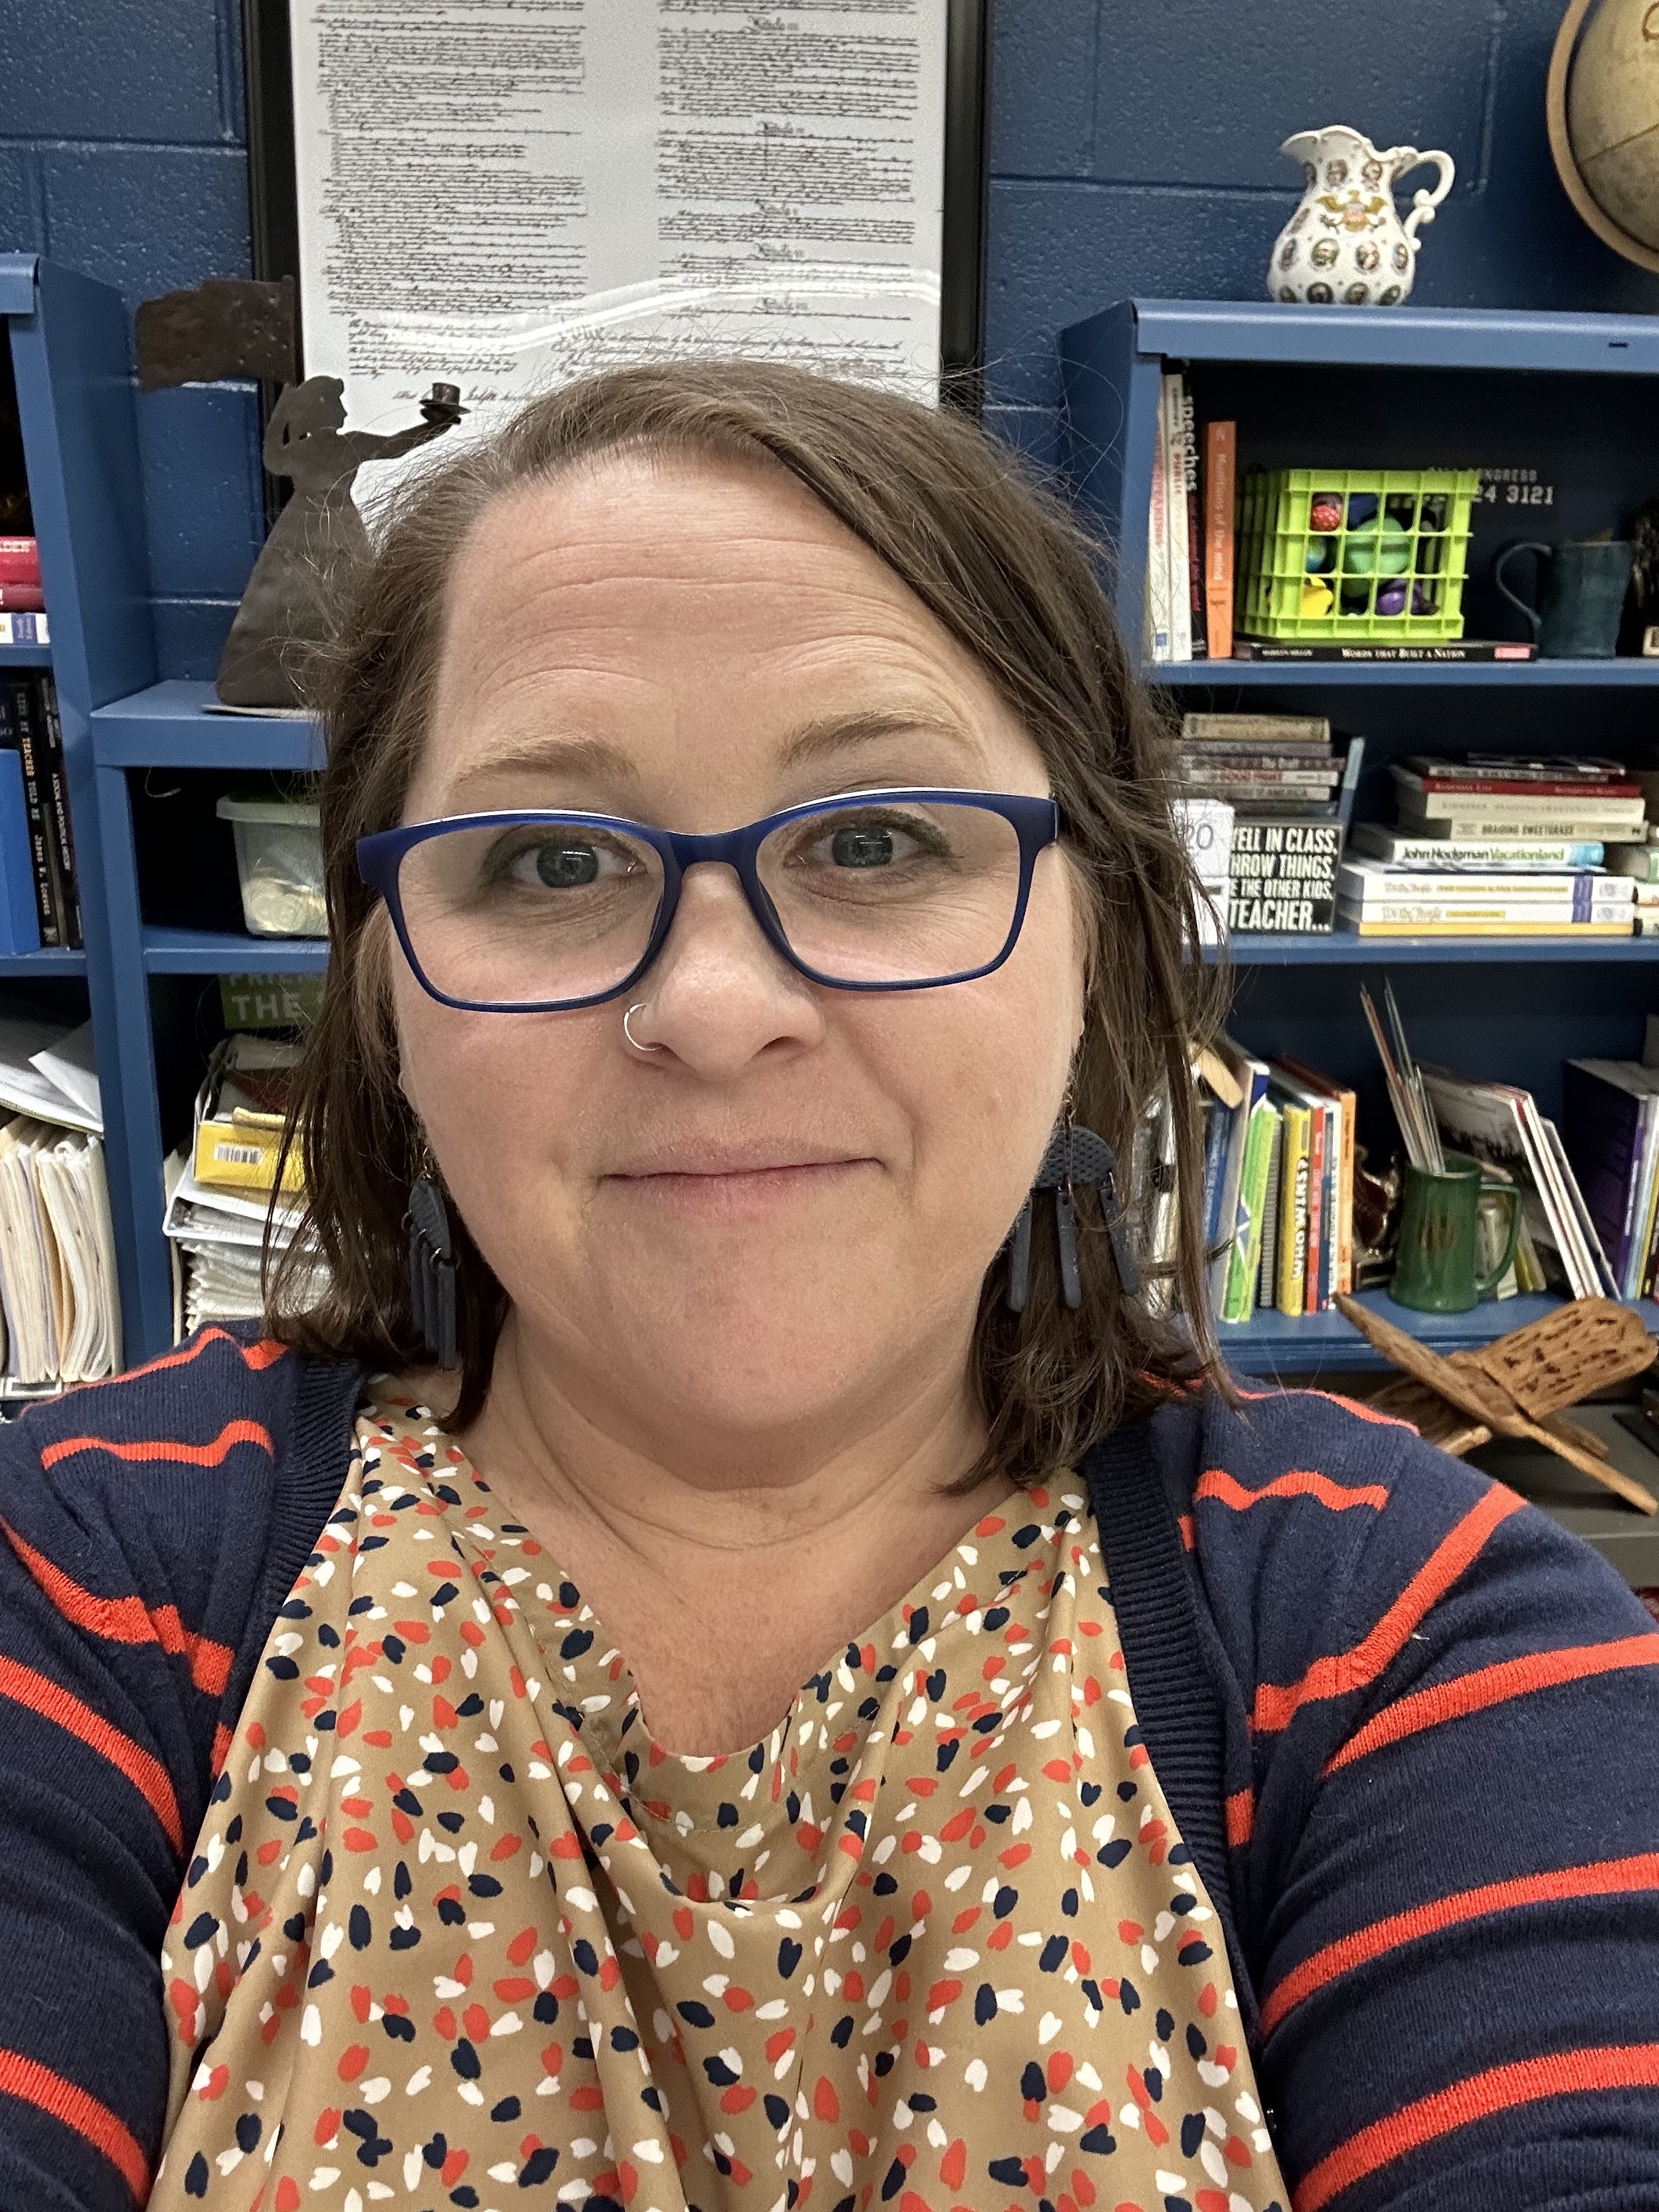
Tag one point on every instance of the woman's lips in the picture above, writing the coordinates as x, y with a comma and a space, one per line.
735, 1189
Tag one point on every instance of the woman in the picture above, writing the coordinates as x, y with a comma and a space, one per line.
828, 1699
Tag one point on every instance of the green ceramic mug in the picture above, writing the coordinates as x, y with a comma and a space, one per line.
1434, 1268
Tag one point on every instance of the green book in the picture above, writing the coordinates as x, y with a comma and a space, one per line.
1240, 1301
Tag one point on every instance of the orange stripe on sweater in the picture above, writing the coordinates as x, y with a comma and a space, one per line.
1600, 1878
1240, 1809
1216, 1484
39, 1694
34, 2084
213, 1455
126, 1620
265, 1353
1354, 1405
1276, 1707
1492, 1685
1500, 2089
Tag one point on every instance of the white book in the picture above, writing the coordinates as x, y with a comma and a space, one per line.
1513, 855
1367, 879
1156, 646
1173, 389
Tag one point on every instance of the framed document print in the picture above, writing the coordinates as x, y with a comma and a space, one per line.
505, 194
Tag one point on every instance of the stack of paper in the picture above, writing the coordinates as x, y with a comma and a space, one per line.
57, 1280
218, 1239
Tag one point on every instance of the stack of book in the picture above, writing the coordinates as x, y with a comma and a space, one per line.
1290, 793
1495, 846
1278, 1188
29, 727
1610, 1124
1190, 539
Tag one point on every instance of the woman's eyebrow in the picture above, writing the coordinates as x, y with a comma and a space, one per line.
588, 756
836, 734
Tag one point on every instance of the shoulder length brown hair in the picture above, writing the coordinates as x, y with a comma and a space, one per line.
1007, 571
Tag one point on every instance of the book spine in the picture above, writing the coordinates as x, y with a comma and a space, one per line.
1513, 855
1428, 788
1469, 649
19, 560
1156, 643
1294, 1213
1195, 526
1268, 1276
61, 824
1246, 1262
1649, 1228
1313, 1294
1217, 1122
1348, 1107
1175, 504
34, 798
21, 599
1450, 913
1632, 1256
1220, 470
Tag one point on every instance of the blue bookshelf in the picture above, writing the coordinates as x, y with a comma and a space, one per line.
1524, 677
1340, 386
1346, 948
1272, 1346
70, 355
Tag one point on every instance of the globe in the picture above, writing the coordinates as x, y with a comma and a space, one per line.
1603, 103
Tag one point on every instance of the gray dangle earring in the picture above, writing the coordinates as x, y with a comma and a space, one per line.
431, 1269
1075, 1157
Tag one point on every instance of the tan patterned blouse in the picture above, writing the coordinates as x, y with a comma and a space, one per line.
457, 1932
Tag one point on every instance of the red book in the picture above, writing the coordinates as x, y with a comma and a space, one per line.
19, 561
21, 599
1515, 788
1220, 462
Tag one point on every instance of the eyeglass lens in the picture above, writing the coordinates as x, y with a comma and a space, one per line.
874, 891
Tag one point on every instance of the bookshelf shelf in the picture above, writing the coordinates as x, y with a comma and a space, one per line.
25, 656
231, 952
1274, 1344
1345, 949
168, 725
50, 962
1397, 338
1526, 676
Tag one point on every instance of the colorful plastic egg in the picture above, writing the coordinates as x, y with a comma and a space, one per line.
1362, 509
1325, 512
1384, 550
1321, 557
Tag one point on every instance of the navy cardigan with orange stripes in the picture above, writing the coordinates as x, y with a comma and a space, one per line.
1410, 1731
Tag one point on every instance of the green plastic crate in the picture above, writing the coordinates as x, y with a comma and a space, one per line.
1419, 537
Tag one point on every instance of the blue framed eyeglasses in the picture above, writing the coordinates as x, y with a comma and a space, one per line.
873, 890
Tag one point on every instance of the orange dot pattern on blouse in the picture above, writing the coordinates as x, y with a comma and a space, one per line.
457, 1931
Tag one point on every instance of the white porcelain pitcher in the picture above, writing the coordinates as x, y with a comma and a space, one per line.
1346, 242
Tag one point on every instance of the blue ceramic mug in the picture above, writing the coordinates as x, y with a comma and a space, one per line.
1583, 596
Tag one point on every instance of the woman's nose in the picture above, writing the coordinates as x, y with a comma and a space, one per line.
719, 992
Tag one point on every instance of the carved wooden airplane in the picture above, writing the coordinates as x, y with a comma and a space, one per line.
1518, 1385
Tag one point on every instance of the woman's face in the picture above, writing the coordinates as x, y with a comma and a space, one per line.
785, 1212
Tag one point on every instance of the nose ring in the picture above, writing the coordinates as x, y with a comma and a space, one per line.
629, 1033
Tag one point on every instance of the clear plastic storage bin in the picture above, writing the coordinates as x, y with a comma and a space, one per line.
279, 859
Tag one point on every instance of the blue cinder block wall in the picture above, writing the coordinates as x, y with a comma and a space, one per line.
1133, 150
